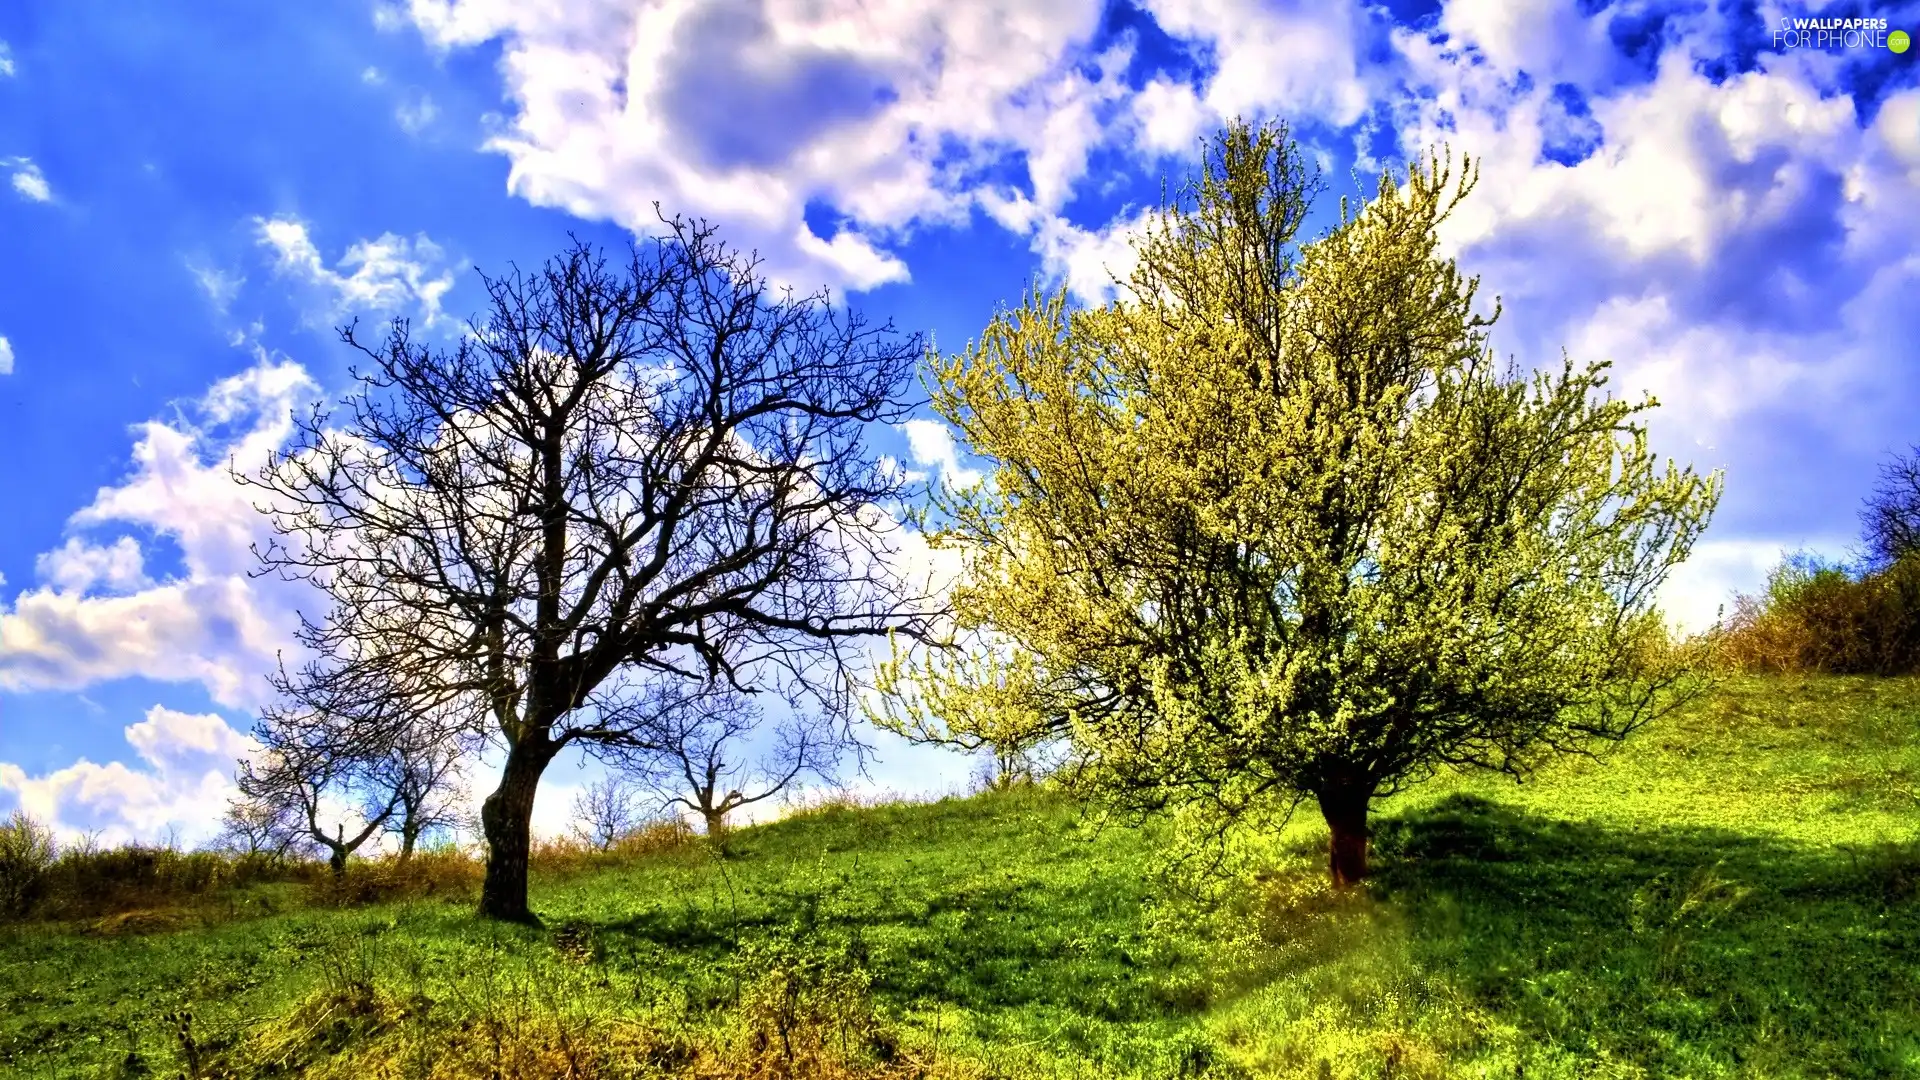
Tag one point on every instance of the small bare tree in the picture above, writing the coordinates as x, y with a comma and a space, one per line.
257, 827
296, 782
400, 775
427, 784
1005, 765
606, 810
694, 748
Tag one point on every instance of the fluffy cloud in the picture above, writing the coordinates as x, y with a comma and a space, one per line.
383, 276
27, 179
96, 616
6, 356
1092, 263
748, 112
180, 789
886, 115
1737, 241
80, 565
1296, 58
6, 61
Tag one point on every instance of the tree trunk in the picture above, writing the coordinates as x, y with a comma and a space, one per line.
1345, 808
337, 862
716, 823
507, 819
408, 834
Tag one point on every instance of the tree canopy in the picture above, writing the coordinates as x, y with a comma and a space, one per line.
1273, 524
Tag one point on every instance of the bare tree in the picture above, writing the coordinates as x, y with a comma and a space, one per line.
655, 469
1891, 518
1005, 765
606, 810
257, 827
298, 775
427, 789
694, 749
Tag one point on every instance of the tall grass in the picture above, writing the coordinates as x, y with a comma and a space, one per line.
158, 884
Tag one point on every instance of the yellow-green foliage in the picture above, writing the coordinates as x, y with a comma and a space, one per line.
1274, 522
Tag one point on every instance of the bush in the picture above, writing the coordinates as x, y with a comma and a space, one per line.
445, 872
87, 882
571, 853
1817, 616
26, 851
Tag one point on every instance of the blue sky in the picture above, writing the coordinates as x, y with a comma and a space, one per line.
192, 195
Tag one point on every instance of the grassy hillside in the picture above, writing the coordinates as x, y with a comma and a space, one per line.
1735, 893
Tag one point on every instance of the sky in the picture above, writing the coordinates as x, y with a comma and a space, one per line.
194, 195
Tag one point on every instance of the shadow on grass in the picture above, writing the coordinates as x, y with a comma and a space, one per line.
984, 945
1684, 951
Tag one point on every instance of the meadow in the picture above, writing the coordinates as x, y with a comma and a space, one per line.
1734, 892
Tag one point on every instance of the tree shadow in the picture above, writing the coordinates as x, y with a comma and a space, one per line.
1681, 950
1013, 943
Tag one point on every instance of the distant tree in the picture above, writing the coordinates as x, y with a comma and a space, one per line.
1005, 765
257, 827
426, 781
1272, 525
695, 750
316, 789
606, 810
1890, 520
657, 470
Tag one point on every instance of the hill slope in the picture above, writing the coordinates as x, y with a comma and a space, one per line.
1734, 893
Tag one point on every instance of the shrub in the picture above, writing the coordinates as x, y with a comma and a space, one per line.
1818, 616
26, 851
441, 872
87, 882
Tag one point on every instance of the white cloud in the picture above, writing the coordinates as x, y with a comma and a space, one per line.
96, 616
181, 788
748, 112
80, 565
416, 113
1092, 263
372, 76
932, 445
219, 286
28, 180
1296, 58
6, 356
6, 61
387, 276
889, 114
1171, 115
1739, 245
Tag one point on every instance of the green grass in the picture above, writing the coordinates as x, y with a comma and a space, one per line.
1733, 893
